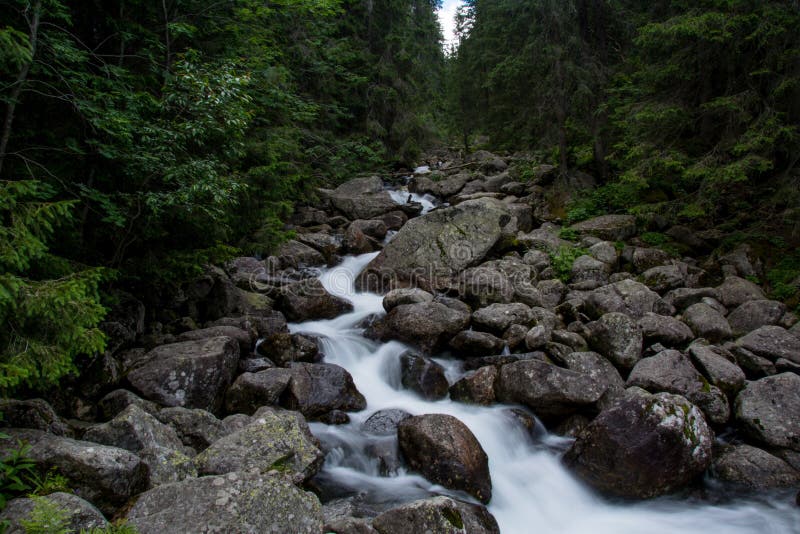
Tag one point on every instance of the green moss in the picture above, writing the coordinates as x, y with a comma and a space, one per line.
563, 259
569, 234
654, 239
453, 517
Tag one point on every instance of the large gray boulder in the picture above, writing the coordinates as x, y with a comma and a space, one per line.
244, 338
617, 337
755, 468
707, 323
446, 187
496, 318
105, 476
134, 430
671, 371
548, 390
196, 428
718, 366
308, 299
439, 515
192, 374
476, 387
409, 295
666, 330
609, 227
769, 410
385, 422
235, 503
296, 255
317, 389
445, 451
437, 245
627, 296
32, 413
426, 325
643, 446
471, 343
665, 277
362, 198
251, 391
79, 515
275, 439
423, 376
772, 343
754, 314
735, 291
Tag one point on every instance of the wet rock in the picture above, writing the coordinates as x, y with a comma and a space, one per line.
254, 365
119, 399
235, 503
718, 366
476, 387
440, 515
666, 330
643, 446
548, 390
471, 343
385, 422
33, 413
274, 439
397, 297
772, 343
671, 371
445, 451
754, 314
707, 323
754, 468
244, 338
628, 297
437, 245
251, 391
309, 300
609, 227
284, 349
296, 255
427, 325
196, 428
444, 188
617, 337
329, 246
316, 389
496, 318
598, 369
355, 241
192, 374
104, 476
423, 376
769, 410
78, 514
735, 291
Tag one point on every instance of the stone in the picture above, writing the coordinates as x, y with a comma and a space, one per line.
244, 338
598, 369
476, 387
471, 344
274, 439
643, 259
192, 374
296, 255
316, 389
664, 277
483, 285
195, 428
617, 337
643, 446
439, 515
683, 297
707, 323
735, 291
768, 411
78, 514
718, 366
235, 503
397, 297
588, 273
362, 198
426, 325
437, 245
772, 343
605, 252
309, 300
548, 390
754, 468
423, 376
552, 292
105, 476
537, 337
165, 465
119, 399
666, 330
496, 318
385, 422
445, 451
754, 314
609, 227
32, 413
671, 371
251, 391
133, 429
627, 296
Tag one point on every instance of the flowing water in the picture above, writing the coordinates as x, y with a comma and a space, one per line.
532, 492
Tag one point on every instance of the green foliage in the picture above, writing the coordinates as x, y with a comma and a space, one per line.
654, 239
16, 469
51, 482
562, 261
47, 517
569, 234
783, 279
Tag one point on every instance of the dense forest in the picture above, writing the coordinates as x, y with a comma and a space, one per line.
142, 139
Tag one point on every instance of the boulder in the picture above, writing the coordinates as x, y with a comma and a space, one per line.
643, 259
244, 338
165, 465
772, 343
707, 323
735, 291
119, 399
671, 371
627, 296
683, 297
754, 314
718, 366
133, 429
440, 515
588, 273
296, 255
274, 439
617, 337
597, 368
476, 387
471, 343
78, 514
444, 188
548, 390
309, 300
317, 389
606, 252
423, 376
235, 503
105, 476
643, 446
609, 227
362, 198
437, 246
251, 391
445, 451
385, 422
666, 330
483, 285
426, 325
754, 468
397, 297
537, 337
196, 428
496, 318
769, 410
664, 277
192, 374
32, 413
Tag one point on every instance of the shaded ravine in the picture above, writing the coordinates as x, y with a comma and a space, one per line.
532, 491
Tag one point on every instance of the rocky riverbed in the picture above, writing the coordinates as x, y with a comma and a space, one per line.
663, 375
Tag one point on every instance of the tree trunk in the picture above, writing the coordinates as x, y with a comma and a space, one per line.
33, 36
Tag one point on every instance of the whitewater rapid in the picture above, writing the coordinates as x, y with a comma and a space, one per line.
532, 491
